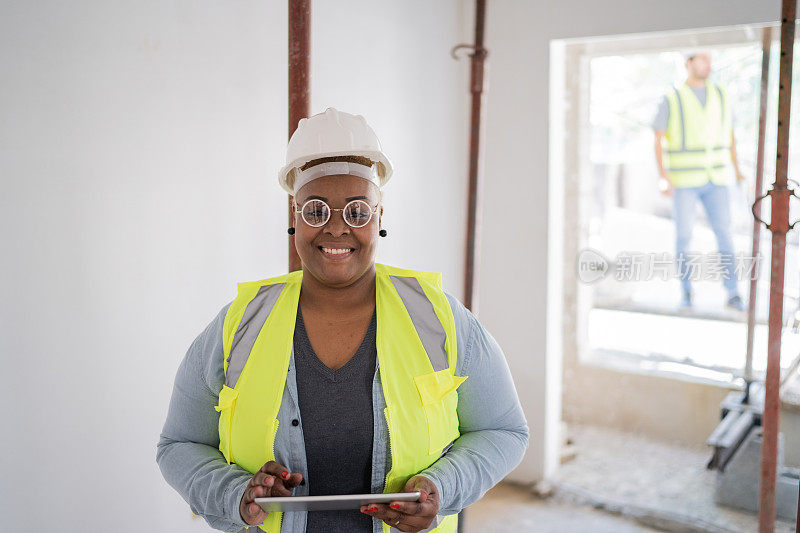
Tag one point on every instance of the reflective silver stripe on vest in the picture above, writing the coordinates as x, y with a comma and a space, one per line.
683, 123
721, 106
255, 314
695, 169
697, 150
429, 329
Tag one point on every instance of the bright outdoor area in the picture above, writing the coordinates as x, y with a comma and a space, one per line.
635, 319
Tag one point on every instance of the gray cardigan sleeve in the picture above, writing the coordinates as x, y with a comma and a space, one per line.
188, 449
494, 432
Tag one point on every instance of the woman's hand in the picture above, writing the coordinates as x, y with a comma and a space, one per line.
273, 479
409, 516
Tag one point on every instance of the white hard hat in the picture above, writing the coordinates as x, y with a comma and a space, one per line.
329, 134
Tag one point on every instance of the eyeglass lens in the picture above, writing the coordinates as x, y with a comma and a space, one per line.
356, 213
316, 213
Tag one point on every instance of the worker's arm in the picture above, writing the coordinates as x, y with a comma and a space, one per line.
494, 432
739, 175
664, 184
188, 450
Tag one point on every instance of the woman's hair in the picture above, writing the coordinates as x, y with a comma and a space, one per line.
360, 160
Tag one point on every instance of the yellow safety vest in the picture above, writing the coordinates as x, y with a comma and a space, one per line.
416, 344
698, 138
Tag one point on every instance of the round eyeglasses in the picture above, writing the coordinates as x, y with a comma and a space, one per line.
356, 213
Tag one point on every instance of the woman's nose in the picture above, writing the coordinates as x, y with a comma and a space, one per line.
336, 225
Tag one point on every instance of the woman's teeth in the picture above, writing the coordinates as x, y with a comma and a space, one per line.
336, 251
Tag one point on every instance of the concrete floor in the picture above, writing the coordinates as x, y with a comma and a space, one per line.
617, 483
509, 507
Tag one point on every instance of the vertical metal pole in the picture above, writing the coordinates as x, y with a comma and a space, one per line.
472, 261
779, 225
473, 202
299, 86
762, 126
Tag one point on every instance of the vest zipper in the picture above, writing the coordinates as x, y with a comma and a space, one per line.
272, 449
391, 459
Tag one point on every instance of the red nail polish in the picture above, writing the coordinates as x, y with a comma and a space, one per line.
372, 509
395, 506
284, 474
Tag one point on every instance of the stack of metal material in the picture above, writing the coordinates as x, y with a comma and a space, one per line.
737, 457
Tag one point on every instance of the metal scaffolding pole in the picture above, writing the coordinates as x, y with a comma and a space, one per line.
762, 126
299, 86
471, 263
473, 202
779, 225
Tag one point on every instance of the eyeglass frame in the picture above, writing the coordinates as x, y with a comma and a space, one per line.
342, 209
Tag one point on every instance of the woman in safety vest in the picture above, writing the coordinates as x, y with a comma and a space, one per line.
345, 377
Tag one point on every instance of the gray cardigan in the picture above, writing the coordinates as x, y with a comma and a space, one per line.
494, 432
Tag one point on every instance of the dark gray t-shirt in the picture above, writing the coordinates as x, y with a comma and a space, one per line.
336, 413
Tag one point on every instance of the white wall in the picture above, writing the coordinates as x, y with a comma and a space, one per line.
139, 144
138, 148
523, 234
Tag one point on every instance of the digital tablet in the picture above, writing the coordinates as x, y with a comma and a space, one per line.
332, 502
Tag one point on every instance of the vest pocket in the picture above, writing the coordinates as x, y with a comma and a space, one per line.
226, 403
437, 391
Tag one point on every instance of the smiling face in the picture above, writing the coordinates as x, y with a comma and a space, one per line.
336, 254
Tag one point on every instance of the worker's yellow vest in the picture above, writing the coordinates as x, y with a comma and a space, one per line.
416, 344
698, 138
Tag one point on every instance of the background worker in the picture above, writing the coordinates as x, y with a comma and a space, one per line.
346, 377
696, 155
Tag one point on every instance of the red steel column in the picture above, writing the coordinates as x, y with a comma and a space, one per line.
779, 225
762, 126
473, 201
299, 86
